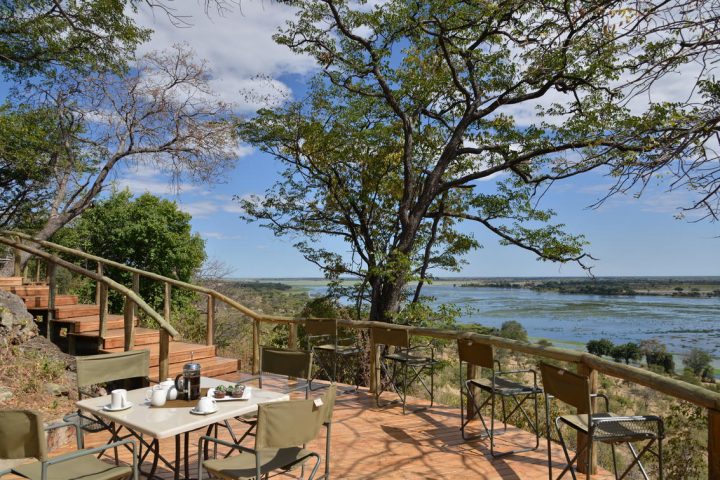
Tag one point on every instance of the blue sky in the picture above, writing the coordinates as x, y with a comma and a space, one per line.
628, 236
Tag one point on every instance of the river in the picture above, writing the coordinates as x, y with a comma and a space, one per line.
571, 320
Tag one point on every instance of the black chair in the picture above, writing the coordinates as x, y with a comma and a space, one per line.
329, 350
401, 365
483, 356
604, 427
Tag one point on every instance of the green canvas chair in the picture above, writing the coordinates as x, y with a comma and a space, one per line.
605, 427
22, 436
283, 429
402, 366
329, 349
277, 361
129, 370
483, 356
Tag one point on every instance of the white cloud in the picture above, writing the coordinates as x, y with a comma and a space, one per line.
238, 45
144, 178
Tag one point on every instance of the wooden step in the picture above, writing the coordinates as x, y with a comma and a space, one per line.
79, 310
210, 367
42, 301
91, 323
11, 281
115, 338
30, 290
180, 352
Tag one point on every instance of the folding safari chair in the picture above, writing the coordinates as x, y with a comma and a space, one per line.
604, 427
283, 429
329, 349
276, 361
483, 356
129, 370
403, 366
22, 436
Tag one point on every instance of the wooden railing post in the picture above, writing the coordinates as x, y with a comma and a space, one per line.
293, 336
374, 362
98, 292
17, 270
103, 309
713, 444
210, 335
37, 271
256, 347
582, 439
129, 313
165, 337
52, 291
472, 372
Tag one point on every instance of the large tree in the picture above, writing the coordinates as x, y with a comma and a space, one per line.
144, 232
162, 114
418, 102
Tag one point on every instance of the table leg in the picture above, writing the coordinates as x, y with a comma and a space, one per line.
177, 457
187, 455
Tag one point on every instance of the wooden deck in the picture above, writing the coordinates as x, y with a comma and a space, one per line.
368, 442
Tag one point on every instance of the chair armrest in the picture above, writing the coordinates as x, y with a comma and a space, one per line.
529, 370
604, 397
225, 443
305, 387
65, 423
90, 451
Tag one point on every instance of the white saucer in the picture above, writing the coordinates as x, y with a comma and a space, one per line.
195, 412
108, 407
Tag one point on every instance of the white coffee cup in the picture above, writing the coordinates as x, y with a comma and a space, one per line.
118, 398
157, 396
205, 405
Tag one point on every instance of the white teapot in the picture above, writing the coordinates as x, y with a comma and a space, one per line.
169, 387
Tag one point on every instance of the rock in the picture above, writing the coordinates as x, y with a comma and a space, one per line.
5, 394
16, 324
55, 390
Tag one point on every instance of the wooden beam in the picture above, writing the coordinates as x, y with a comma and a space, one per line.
256, 347
210, 334
103, 310
52, 292
374, 366
97, 283
17, 259
713, 444
129, 314
582, 439
472, 372
164, 337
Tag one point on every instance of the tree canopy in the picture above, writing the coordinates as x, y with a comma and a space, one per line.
432, 114
145, 232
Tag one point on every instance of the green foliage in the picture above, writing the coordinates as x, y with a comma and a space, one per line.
37, 37
513, 330
699, 362
600, 347
148, 233
685, 449
627, 352
29, 150
657, 355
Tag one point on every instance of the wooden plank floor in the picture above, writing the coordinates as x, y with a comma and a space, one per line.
368, 442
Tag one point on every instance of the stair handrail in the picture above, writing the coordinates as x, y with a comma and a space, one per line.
92, 275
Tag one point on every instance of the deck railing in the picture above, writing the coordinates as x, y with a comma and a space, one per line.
585, 363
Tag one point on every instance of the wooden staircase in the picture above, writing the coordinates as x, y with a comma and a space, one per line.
75, 328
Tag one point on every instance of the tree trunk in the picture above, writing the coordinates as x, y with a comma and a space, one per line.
53, 224
385, 299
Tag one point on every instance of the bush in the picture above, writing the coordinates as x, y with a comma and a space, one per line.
600, 347
513, 330
699, 362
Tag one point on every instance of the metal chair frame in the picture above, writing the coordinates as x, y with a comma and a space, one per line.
252, 423
595, 422
401, 368
511, 389
130, 444
319, 330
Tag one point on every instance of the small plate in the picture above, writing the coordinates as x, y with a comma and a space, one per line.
108, 407
228, 397
195, 412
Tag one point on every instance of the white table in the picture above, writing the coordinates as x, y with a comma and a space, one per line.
160, 423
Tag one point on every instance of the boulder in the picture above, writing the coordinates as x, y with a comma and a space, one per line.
16, 323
